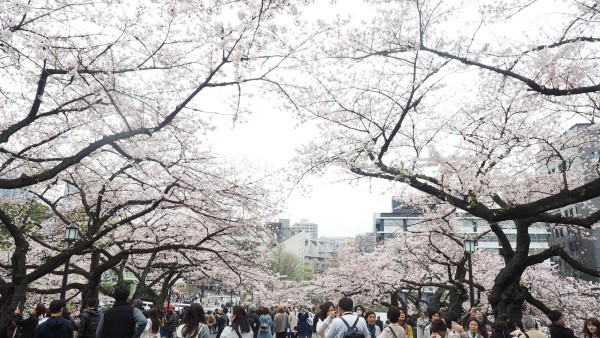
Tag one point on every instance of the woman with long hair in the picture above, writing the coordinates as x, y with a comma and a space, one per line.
591, 328
152, 329
402, 321
239, 327
193, 323
326, 316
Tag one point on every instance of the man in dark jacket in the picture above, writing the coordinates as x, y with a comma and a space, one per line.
56, 326
90, 318
29, 325
122, 320
558, 328
253, 319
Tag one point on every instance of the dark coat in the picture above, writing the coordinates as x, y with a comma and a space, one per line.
557, 331
303, 329
27, 325
55, 327
118, 322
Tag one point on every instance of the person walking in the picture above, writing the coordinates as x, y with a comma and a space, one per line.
559, 329
374, 330
530, 327
122, 320
303, 329
222, 322
265, 329
473, 331
402, 322
326, 316
591, 327
29, 325
152, 329
346, 320
253, 319
281, 323
239, 328
394, 329
193, 323
421, 323
90, 318
56, 326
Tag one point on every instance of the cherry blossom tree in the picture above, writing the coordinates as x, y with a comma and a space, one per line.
470, 104
91, 92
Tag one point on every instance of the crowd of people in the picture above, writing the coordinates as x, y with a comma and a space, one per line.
132, 320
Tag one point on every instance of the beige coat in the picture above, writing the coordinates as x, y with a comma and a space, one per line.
397, 330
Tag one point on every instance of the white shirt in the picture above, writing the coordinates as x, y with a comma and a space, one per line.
148, 331
228, 332
337, 326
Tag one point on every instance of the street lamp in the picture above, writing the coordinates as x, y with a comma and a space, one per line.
71, 235
469, 246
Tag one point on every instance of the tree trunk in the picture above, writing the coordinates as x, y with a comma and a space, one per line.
94, 280
508, 296
394, 299
456, 298
16, 291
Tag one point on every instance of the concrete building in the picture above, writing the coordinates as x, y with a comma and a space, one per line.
318, 253
405, 217
582, 244
311, 230
282, 230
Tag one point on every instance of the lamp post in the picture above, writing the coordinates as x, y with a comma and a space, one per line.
469, 246
71, 235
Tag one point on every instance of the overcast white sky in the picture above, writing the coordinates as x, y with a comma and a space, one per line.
270, 138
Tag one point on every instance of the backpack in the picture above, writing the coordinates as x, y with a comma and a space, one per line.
352, 331
93, 319
264, 325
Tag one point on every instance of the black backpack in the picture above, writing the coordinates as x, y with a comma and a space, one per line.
352, 331
93, 319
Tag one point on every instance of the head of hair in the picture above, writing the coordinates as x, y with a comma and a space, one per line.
92, 302
153, 316
393, 313
66, 313
359, 307
325, 310
528, 322
501, 325
263, 311
120, 293
474, 320
240, 321
346, 304
368, 313
192, 319
137, 303
431, 312
225, 310
40, 310
438, 326
56, 306
593, 321
554, 315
